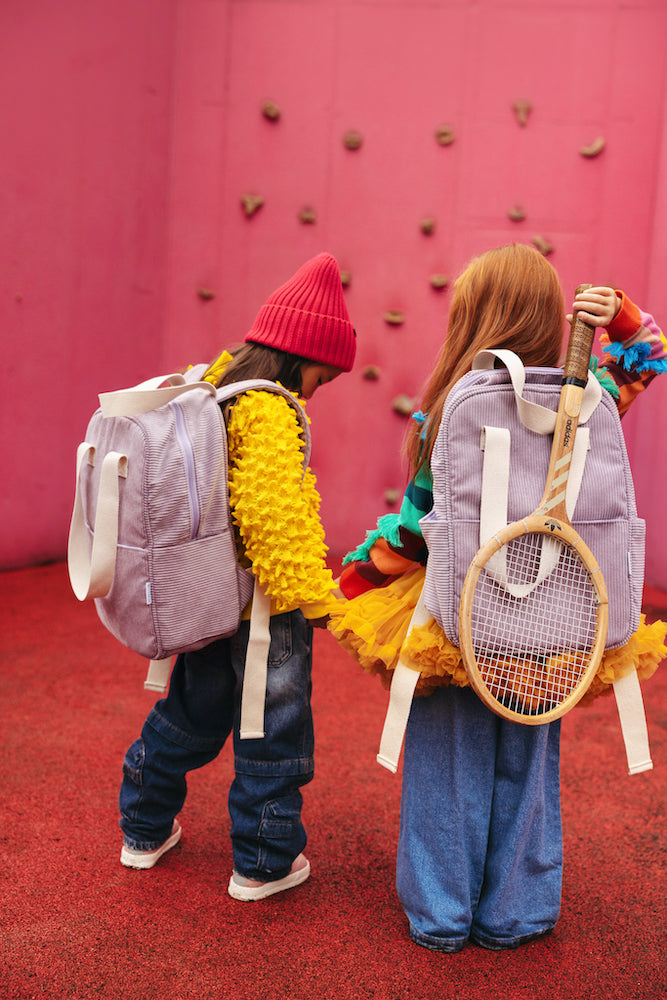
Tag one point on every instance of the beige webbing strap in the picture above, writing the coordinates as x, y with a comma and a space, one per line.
253, 694
537, 418
149, 395
495, 443
632, 717
403, 685
91, 572
157, 677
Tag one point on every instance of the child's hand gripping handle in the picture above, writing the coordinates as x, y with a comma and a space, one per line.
579, 348
575, 376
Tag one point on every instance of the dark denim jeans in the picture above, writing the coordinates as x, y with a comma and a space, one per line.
480, 846
188, 728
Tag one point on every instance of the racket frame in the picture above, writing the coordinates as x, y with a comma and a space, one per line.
564, 533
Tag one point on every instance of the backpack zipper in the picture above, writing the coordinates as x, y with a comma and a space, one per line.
188, 456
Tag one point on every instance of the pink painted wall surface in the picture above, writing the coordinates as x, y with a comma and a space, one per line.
84, 188
135, 128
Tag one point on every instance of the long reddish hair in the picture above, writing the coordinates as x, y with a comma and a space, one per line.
509, 297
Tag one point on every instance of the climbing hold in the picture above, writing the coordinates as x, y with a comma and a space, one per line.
307, 215
403, 404
251, 203
391, 496
439, 281
352, 140
444, 135
427, 226
516, 213
345, 278
522, 109
542, 245
594, 148
205, 293
271, 111
394, 317
371, 373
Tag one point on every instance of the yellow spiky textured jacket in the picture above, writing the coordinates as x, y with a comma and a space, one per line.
275, 506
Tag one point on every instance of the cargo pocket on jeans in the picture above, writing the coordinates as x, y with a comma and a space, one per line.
279, 821
281, 640
133, 770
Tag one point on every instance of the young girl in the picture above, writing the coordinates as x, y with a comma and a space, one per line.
303, 338
480, 845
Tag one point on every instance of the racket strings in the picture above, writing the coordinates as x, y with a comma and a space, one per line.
534, 623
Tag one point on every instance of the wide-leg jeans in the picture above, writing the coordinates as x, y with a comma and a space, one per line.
188, 728
480, 847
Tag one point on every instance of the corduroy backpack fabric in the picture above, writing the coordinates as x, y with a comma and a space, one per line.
151, 537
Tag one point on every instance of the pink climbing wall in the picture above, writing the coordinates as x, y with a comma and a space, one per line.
85, 124
138, 132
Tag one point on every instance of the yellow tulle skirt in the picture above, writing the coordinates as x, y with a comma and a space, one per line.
373, 629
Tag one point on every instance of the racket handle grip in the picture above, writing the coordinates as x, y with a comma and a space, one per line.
579, 348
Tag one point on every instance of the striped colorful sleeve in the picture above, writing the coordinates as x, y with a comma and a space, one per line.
394, 546
635, 352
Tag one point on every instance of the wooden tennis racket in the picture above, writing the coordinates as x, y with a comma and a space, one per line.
531, 640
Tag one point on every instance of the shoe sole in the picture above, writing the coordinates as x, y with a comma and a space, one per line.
147, 859
252, 893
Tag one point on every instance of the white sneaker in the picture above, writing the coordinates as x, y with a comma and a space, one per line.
239, 888
131, 857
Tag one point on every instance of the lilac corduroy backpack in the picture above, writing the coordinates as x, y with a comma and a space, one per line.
151, 537
489, 467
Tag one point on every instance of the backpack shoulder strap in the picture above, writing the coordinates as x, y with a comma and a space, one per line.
403, 685
632, 716
259, 638
237, 388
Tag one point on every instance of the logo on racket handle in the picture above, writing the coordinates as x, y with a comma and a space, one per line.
568, 432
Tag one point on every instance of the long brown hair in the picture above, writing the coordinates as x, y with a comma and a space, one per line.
257, 361
509, 297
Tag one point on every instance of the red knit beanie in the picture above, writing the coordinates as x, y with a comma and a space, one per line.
308, 316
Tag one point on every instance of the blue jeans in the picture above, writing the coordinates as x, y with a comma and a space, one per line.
188, 729
480, 846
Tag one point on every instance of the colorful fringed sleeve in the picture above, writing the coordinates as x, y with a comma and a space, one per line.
383, 577
635, 352
275, 505
395, 546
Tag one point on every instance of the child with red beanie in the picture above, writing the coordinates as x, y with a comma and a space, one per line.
302, 337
